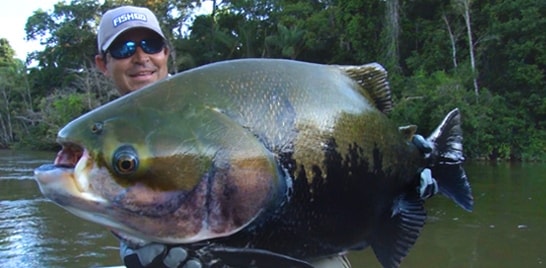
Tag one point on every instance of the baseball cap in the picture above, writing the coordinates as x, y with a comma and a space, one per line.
118, 20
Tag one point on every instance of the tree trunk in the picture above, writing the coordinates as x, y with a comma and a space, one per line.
7, 135
466, 15
392, 33
453, 40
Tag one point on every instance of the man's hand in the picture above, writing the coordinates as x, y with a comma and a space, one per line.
157, 255
161, 256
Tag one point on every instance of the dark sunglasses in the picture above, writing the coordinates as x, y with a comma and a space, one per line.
123, 50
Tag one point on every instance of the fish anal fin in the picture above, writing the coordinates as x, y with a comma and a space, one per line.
399, 233
372, 78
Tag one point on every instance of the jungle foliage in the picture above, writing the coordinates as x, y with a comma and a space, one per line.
485, 57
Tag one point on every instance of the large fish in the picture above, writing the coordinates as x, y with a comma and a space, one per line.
269, 158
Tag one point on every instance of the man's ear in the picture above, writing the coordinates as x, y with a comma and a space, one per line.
100, 63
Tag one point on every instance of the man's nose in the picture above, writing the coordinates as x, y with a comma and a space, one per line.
140, 56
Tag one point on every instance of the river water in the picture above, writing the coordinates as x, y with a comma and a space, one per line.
506, 228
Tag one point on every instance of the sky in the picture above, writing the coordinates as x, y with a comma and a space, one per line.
13, 18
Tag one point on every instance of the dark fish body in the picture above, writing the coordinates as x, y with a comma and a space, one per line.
254, 156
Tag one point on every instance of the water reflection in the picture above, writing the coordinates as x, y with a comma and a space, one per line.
505, 229
36, 233
20, 234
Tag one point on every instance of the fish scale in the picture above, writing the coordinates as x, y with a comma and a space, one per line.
266, 162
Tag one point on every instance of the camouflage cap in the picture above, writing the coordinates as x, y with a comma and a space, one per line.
118, 20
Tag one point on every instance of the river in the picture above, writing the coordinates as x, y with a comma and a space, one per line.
506, 228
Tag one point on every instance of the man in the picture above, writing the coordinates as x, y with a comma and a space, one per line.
133, 53
132, 48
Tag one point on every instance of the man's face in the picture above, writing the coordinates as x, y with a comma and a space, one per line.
138, 70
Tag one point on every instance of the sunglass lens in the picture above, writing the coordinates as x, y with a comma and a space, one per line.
123, 50
152, 46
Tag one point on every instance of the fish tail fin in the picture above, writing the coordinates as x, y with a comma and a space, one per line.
446, 161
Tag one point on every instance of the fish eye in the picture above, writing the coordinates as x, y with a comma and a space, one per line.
125, 160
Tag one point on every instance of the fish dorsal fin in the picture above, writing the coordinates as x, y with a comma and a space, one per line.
372, 77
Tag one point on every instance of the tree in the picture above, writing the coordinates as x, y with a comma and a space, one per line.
360, 29
7, 53
392, 34
14, 94
68, 35
463, 6
433, 50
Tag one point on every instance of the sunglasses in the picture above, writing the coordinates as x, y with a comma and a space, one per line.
123, 50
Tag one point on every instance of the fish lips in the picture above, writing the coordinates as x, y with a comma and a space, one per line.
56, 181
59, 183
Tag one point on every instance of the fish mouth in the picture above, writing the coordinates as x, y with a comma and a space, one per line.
67, 177
69, 155
67, 183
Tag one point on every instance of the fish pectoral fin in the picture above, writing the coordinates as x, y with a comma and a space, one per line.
251, 257
398, 233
